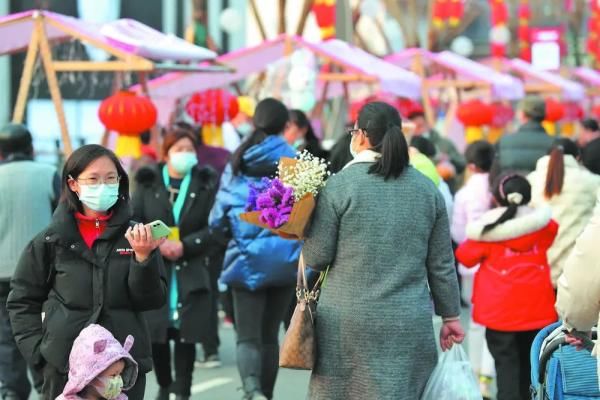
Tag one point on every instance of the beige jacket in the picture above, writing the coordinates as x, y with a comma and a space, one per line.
572, 208
578, 302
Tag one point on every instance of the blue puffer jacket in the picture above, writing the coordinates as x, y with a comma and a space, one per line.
255, 257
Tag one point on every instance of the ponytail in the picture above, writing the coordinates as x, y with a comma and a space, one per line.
394, 154
556, 173
512, 191
237, 159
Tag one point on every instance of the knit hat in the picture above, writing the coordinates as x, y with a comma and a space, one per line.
534, 107
94, 350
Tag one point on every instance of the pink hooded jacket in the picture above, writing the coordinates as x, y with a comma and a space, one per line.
94, 350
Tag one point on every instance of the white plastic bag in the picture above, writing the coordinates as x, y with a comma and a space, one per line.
452, 378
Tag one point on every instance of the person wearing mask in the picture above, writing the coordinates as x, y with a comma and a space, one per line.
35, 187
513, 295
240, 126
589, 141
446, 150
561, 183
181, 194
300, 135
520, 151
259, 266
382, 261
89, 266
470, 203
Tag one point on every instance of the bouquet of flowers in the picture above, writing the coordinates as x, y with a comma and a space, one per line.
285, 203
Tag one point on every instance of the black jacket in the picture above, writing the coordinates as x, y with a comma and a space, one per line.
75, 286
200, 249
520, 151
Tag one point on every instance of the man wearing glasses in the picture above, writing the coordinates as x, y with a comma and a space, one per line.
28, 195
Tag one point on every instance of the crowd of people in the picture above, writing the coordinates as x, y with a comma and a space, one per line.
409, 227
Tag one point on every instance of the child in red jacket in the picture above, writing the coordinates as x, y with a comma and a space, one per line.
513, 295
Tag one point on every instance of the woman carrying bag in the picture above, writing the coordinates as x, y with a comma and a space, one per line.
180, 194
260, 267
88, 267
383, 229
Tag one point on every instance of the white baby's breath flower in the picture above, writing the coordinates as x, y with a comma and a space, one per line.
307, 176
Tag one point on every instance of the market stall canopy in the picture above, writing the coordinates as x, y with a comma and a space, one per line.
538, 81
590, 77
124, 36
356, 66
468, 72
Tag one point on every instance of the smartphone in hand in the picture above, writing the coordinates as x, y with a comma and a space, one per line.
159, 229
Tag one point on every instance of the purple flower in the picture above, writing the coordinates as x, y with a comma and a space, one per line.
274, 200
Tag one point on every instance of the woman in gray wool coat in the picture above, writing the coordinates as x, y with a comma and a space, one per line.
383, 228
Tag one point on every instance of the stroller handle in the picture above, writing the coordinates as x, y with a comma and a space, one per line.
588, 344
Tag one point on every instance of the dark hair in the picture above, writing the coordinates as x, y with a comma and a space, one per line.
299, 118
174, 135
503, 188
481, 154
590, 156
78, 162
424, 145
416, 114
383, 126
555, 175
270, 117
15, 139
590, 124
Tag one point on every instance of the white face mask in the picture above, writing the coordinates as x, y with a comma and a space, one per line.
99, 197
354, 153
183, 161
110, 388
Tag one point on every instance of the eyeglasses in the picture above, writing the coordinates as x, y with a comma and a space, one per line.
95, 181
353, 131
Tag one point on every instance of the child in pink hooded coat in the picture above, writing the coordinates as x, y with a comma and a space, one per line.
99, 367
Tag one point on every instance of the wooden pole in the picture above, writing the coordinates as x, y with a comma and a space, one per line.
53, 85
379, 25
258, 19
282, 25
419, 69
32, 52
304, 16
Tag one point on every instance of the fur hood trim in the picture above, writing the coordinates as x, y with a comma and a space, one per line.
528, 220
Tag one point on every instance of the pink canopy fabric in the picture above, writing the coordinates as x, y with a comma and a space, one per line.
504, 86
256, 59
587, 75
571, 91
126, 35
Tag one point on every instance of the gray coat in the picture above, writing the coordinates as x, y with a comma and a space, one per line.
385, 242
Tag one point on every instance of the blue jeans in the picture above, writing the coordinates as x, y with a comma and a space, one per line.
13, 368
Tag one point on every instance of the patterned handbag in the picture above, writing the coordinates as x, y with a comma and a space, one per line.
299, 347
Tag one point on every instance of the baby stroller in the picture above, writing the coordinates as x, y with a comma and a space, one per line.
559, 371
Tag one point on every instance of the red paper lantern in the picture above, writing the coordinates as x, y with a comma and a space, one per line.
555, 110
455, 12
502, 114
596, 111
499, 12
213, 106
324, 11
573, 111
440, 13
475, 113
127, 113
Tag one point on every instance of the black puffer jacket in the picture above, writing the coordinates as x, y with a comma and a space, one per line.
75, 286
520, 151
200, 249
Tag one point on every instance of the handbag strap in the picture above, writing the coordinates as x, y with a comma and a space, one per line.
302, 281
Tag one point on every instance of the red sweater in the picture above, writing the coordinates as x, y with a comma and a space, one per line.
91, 228
512, 289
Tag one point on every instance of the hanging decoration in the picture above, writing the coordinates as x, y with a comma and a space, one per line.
555, 111
440, 13
129, 115
324, 11
210, 109
573, 112
462, 46
593, 40
499, 34
524, 33
503, 114
474, 114
456, 10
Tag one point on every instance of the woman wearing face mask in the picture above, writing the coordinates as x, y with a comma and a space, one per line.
88, 267
260, 267
300, 135
181, 194
382, 228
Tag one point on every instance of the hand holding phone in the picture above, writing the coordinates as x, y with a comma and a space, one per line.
159, 229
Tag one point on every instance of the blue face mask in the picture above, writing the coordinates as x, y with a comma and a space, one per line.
183, 161
99, 197
245, 129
